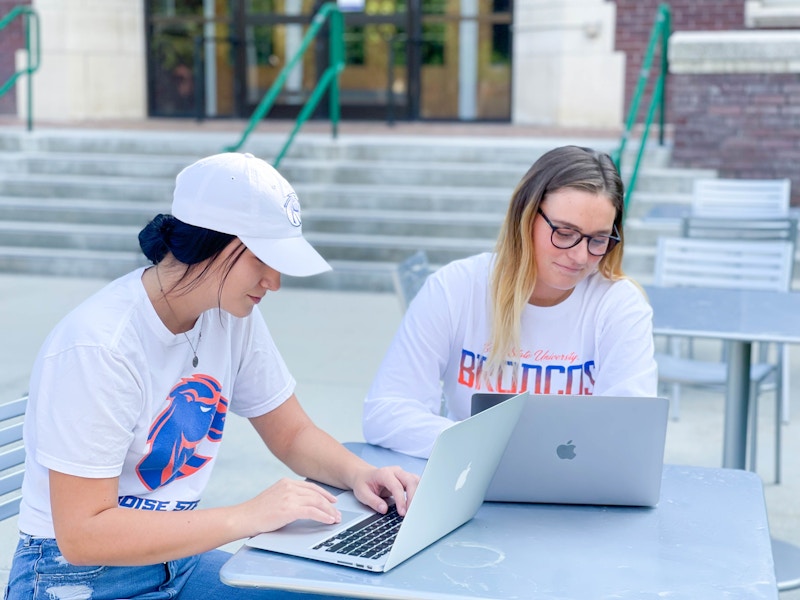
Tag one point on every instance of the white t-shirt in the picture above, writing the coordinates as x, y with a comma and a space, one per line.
113, 393
597, 341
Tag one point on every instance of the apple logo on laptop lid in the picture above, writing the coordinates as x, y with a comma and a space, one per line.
566, 451
462, 478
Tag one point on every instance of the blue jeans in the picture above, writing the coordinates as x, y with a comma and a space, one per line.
39, 572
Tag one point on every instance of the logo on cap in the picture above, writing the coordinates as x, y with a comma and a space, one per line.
292, 208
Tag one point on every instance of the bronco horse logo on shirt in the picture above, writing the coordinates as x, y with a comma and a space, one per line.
196, 411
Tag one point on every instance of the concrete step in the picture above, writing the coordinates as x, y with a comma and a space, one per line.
521, 150
638, 261
375, 171
665, 180
395, 248
86, 187
403, 223
76, 210
644, 232
68, 262
73, 236
658, 205
393, 173
404, 196
94, 165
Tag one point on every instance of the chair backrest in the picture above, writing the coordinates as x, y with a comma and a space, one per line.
758, 265
731, 228
409, 276
12, 456
741, 198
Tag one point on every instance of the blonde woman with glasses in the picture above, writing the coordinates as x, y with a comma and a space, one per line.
550, 311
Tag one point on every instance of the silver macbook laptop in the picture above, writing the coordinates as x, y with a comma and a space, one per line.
603, 450
451, 489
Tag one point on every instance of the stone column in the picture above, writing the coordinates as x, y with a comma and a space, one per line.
565, 69
93, 61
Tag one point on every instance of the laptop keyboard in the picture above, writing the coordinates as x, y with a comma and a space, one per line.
370, 538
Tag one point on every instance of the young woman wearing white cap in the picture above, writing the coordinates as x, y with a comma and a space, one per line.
129, 395
550, 311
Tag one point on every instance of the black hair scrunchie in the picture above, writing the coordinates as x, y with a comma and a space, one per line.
165, 225
154, 239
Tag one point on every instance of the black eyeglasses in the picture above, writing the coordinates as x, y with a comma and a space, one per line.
566, 237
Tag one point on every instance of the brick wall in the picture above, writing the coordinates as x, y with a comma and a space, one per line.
635, 21
746, 125
11, 39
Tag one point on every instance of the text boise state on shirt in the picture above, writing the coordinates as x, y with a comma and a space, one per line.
152, 504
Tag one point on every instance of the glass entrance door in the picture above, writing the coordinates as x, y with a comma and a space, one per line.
465, 60
405, 59
372, 37
272, 31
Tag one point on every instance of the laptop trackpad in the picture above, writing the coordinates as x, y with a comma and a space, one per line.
310, 526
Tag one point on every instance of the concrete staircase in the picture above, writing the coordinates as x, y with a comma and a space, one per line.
73, 201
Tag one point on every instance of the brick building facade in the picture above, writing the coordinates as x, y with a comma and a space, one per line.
735, 112
635, 22
743, 124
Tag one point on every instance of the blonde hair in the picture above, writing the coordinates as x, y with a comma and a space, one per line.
514, 275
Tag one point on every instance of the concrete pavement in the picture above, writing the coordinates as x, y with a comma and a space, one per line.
332, 342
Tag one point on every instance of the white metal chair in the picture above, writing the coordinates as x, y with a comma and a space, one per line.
758, 199
409, 276
724, 264
12, 456
741, 228
751, 229
741, 198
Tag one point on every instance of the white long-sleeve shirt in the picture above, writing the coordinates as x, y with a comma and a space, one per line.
598, 341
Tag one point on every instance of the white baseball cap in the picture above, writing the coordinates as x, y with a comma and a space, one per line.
242, 195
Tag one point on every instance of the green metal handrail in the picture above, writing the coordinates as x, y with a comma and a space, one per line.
658, 35
329, 79
30, 17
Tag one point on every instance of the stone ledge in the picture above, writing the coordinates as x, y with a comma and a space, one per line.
734, 52
758, 13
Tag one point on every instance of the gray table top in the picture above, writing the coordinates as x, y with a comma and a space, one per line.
744, 315
707, 538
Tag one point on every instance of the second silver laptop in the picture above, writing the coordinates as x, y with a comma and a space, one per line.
603, 450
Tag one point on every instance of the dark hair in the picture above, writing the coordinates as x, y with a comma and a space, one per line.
189, 245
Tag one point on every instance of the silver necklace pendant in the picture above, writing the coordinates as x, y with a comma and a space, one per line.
194, 348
